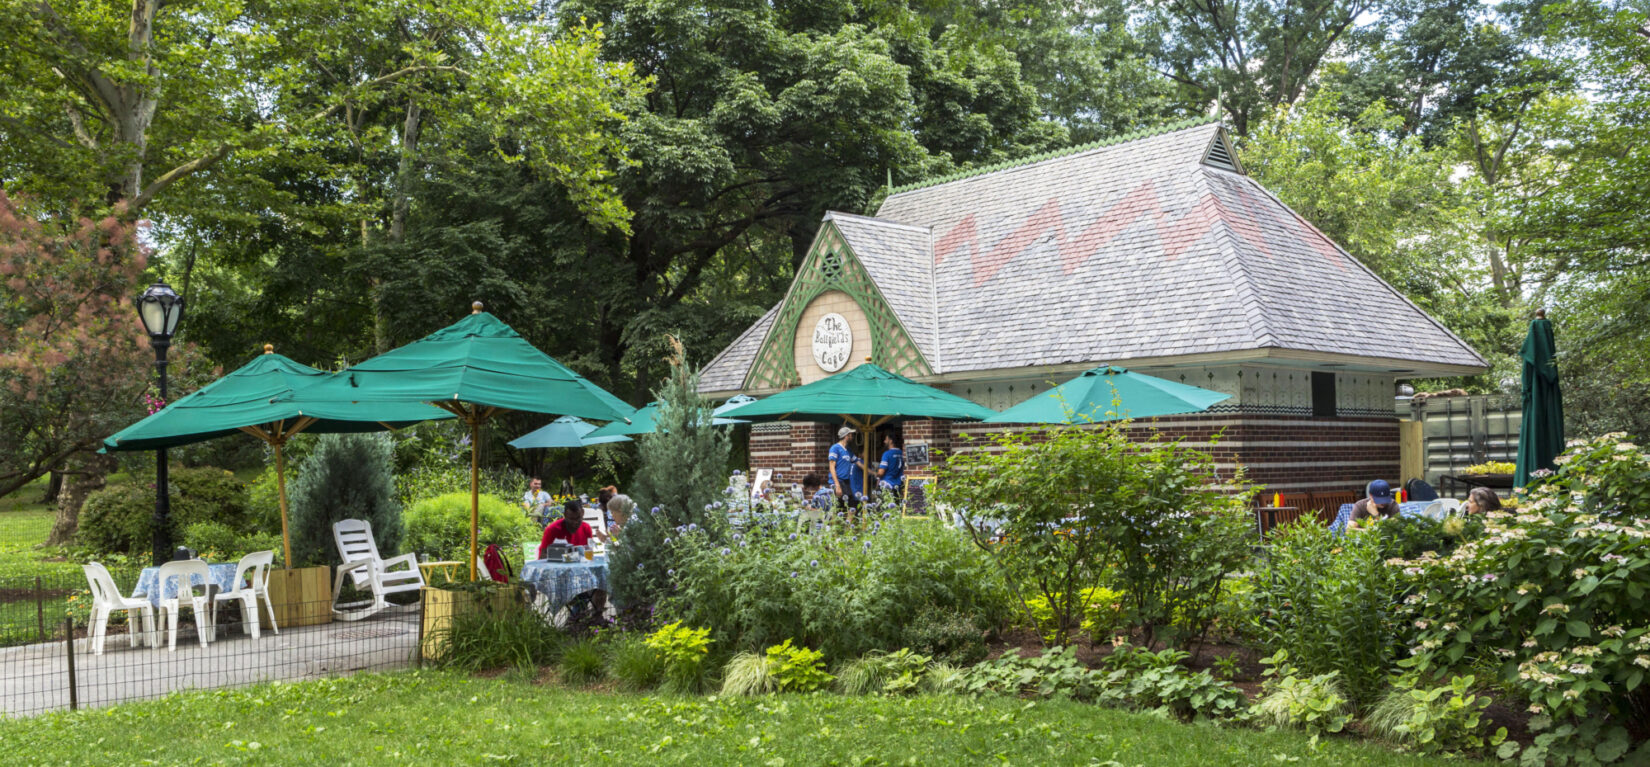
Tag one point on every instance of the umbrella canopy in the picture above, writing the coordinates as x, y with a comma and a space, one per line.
242, 402
1541, 434
865, 397
475, 368
565, 431
1110, 394
645, 420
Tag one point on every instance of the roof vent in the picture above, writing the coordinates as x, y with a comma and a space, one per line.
1220, 155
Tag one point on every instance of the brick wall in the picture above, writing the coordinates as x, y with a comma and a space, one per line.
1281, 453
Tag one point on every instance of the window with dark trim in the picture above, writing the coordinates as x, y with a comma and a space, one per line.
1323, 394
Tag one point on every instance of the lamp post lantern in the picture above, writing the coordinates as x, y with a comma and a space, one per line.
160, 308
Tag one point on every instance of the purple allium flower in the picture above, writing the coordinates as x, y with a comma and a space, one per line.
655, 509
793, 536
814, 563
793, 573
726, 551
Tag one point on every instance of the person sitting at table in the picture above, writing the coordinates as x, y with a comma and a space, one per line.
816, 494
619, 509
571, 528
1378, 503
1481, 500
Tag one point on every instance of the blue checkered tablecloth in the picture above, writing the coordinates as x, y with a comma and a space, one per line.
559, 582
223, 576
1409, 509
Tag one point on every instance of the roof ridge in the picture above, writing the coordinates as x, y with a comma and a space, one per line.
832, 215
1248, 294
1178, 125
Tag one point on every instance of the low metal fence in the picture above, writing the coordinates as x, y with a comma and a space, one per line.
49, 659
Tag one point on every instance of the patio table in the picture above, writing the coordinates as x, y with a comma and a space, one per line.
1406, 509
559, 582
223, 577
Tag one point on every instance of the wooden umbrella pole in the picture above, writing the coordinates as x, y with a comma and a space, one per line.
475, 486
280, 485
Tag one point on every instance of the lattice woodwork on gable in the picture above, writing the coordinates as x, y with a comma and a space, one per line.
832, 265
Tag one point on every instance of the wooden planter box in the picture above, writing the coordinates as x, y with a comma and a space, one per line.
302, 596
443, 606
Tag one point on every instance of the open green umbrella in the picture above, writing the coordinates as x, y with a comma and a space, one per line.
1110, 394
568, 432
241, 401
865, 398
645, 420
1541, 433
475, 368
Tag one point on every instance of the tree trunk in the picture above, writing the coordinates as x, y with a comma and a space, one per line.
90, 474
54, 487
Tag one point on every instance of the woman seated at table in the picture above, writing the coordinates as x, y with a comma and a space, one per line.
1481, 500
571, 528
619, 510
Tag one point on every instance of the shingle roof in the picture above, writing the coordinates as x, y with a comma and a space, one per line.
726, 372
1118, 251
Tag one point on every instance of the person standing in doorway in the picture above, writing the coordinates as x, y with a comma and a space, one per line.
847, 471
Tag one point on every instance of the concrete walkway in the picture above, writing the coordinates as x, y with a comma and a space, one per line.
35, 678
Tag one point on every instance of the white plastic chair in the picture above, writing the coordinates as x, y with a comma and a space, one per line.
596, 517
106, 599
1441, 508
185, 572
362, 563
764, 477
251, 582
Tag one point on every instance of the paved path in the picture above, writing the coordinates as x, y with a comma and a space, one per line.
35, 678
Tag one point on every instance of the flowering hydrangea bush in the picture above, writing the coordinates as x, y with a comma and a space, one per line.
1553, 598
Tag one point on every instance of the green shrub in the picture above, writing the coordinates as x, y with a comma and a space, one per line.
1447, 719
1102, 614
1054, 674
440, 526
1292, 701
582, 662
748, 673
1409, 537
1079, 504
346, 476
683, 650
635, 665
897, 673
845, 592
216, 542
1142, 680
797, 669
120, 518
1331, 601
424, 482
485, 639
1553, 601
948, 635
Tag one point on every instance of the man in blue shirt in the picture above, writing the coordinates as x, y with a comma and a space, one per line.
891, 470
847, 472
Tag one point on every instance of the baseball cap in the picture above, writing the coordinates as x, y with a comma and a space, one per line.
1380, 493
844, 431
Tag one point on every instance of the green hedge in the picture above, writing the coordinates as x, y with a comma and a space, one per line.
441, 526
119, 518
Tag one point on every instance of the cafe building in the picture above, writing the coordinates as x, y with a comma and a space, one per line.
1152, 251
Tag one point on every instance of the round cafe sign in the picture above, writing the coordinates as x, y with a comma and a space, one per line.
833, 342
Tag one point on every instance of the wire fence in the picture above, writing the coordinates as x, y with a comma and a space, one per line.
49, 659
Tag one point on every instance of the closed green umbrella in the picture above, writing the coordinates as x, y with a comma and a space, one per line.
865, 398
566, 432
1541, 433
645, 420
1110, 394
241, 401
475, 368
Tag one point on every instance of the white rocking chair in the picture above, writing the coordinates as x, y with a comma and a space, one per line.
368, 570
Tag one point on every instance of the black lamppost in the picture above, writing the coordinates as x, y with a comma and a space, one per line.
160, 308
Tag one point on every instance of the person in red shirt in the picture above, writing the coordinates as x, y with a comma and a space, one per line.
571, 528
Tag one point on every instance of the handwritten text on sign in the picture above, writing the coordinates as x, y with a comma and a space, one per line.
833, 342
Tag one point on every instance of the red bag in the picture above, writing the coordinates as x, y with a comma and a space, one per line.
497, 565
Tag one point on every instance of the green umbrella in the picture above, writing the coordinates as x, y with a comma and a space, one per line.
240, 401
865, 397
645, 420
1110, 394
566, 431
475, 368
1541, 433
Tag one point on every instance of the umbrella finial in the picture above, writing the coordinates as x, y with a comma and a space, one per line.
269, 348
1541, 314
867, 358
475, 307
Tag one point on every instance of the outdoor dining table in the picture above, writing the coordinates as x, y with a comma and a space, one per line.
223, 578
559, 582
1407, 509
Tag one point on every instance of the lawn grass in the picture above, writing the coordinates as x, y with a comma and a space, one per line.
431, 717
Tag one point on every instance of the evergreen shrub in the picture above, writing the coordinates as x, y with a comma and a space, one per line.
119, 519
346, 476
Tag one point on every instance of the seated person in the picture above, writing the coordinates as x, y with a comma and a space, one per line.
815, 494
571, 528
1377, 504
1481, 500
619, 510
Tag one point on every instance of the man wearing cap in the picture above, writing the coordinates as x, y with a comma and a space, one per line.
847, 471
1377, 504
